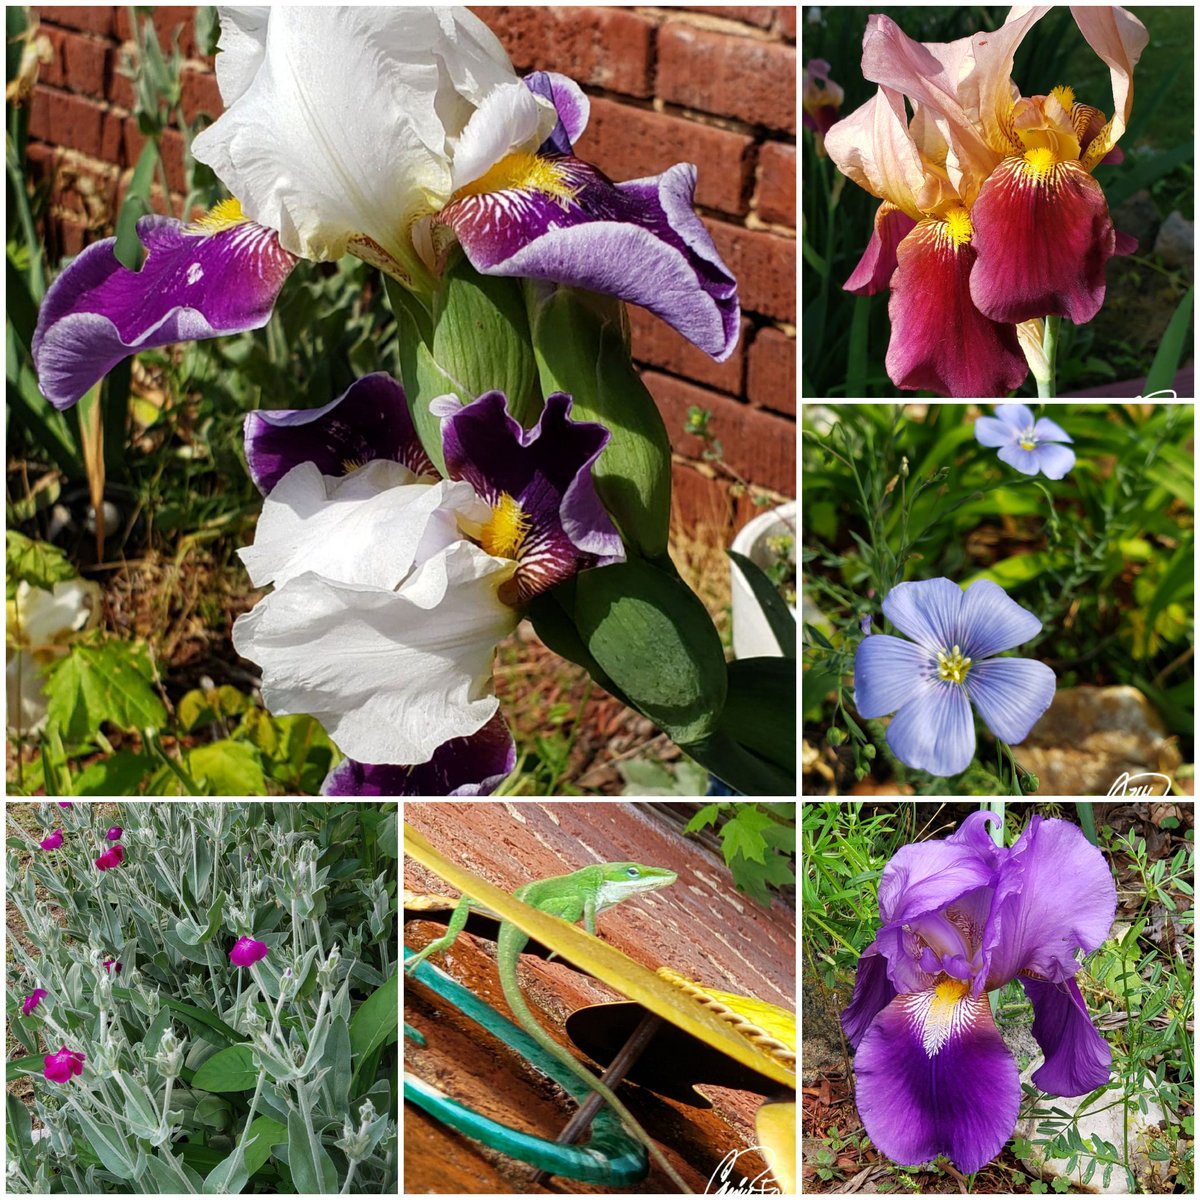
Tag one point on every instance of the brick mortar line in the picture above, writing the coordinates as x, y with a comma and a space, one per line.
714, 24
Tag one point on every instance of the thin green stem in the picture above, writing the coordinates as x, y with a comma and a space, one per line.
1050, 349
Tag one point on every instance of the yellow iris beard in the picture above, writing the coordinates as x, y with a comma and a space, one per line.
505, 531
1040, 163
958, 226
942, 1014
223, 215
521, 172
1064, 95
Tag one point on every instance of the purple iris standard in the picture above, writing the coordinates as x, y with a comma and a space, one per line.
392, 587
1027, 445
246, 952
445, 142
961, 917
931, 682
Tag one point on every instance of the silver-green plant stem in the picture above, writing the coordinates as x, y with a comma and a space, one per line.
1050, 348
241, 1146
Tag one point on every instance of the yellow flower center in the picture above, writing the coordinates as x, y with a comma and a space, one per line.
1028, 444
958, 226
953, 667
506, 529
524, 172
1040, 163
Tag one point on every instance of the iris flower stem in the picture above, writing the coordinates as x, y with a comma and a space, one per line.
1050, 349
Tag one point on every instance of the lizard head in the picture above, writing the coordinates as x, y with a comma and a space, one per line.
620, 881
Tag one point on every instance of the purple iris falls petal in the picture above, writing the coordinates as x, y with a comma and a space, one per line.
547, 471
369, 420
1011, 694
192, 285
1055, 894
872, 992
934, 1077
467, 766
1078, 1059
570, 102
640, 241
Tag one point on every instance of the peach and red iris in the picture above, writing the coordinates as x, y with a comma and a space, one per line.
990, 214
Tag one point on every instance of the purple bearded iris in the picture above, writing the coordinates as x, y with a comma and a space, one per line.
1027, 445
961, 917
446, 142
934, 679
392, 587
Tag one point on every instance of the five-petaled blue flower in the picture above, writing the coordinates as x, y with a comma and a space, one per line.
960, 918
931, 682
1027, 445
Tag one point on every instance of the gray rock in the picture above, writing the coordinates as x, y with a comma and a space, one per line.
1176, 243
1090, 736
1138, 218
1102, 1119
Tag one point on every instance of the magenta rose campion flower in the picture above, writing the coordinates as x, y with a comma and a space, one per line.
53, 841
112, 857
109, 963
33, 1000
247, 952
114, 834
960, 917
61, 1066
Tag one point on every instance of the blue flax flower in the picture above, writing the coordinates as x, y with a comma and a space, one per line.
931, 682
959, 918
1027, 445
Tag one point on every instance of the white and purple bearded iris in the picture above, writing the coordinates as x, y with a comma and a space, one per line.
1027, 445
931, 682
959, 918
386, 133
392, 586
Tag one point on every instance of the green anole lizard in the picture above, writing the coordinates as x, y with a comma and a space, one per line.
574, 897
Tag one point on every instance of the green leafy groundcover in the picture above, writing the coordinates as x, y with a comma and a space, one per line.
199, 1075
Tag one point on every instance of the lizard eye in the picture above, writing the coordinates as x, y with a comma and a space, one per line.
633, 872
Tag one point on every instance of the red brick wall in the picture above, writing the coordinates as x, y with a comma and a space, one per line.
711, 85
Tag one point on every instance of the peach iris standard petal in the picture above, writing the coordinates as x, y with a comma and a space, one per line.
1119, 38
940, 340
1056, 215
873, 147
